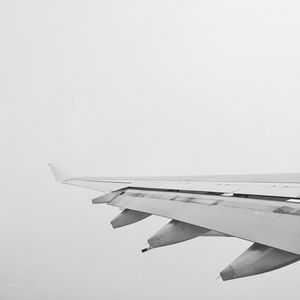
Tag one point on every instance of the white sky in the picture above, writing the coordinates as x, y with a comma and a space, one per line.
137, 88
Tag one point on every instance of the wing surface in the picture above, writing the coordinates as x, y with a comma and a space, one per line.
261, 211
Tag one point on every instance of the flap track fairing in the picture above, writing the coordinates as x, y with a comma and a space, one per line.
258, 259
127, 217
175, 232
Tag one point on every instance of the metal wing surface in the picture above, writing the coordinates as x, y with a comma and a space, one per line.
263, 209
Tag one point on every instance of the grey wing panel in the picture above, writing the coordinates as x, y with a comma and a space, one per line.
259, 226
259, 189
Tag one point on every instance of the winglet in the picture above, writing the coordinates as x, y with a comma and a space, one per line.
60, 173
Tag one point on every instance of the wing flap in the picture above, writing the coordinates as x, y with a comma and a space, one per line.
264, 227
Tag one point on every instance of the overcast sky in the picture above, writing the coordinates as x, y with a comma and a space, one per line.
138, 88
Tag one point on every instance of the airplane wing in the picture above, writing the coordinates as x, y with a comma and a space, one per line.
263, 209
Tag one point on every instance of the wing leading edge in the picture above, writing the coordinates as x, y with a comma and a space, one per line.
261, 211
